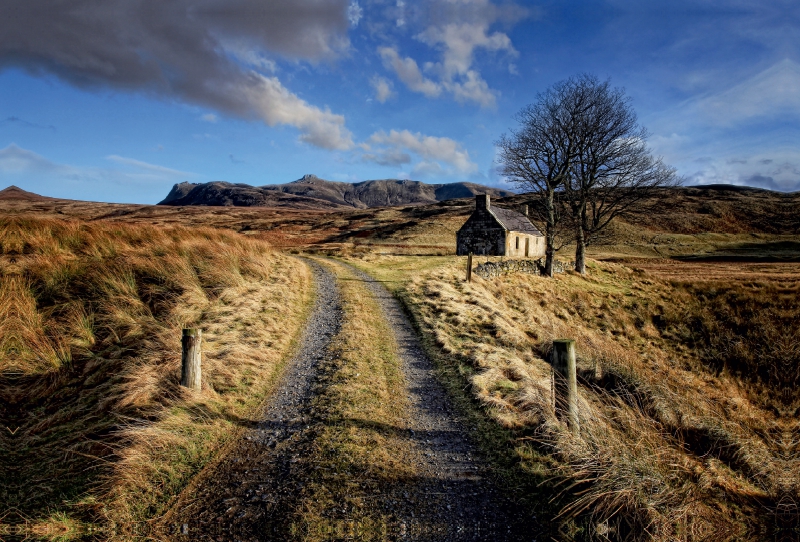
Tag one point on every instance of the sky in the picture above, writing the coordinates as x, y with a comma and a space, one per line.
117, 100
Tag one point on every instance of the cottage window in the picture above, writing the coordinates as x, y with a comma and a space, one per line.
518, 243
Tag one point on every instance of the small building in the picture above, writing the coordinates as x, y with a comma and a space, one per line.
493, 231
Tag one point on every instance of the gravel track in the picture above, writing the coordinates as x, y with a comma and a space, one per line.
249, 494
456, 497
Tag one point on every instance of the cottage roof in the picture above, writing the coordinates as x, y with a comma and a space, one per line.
514, 221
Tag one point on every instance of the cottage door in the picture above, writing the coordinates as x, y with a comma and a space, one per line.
527, 246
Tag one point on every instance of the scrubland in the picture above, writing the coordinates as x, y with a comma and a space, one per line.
688, 368
95, 425
688, 391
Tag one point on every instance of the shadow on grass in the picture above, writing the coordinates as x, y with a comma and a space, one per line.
772, 252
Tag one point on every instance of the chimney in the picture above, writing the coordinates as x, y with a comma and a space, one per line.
482, 201
525, 210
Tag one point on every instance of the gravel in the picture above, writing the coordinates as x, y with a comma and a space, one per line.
456, 497
252, 491
248, 495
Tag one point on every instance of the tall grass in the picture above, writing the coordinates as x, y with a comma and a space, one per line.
90, 320
686, 428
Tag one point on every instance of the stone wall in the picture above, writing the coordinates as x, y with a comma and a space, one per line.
534, 267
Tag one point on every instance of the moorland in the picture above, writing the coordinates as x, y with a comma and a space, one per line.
686, 327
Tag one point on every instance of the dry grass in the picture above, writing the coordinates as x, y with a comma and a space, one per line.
362, 446
90, 359
684, 430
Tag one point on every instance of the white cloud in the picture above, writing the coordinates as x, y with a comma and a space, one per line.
14, 159
776, 170
383, 88
196, 52
409, 73
427, 169
146, 166
459, 42
388, 157
354, 13
459, 28
209, 117
775, 92
275, 105
395, 146
744, 133
129, 176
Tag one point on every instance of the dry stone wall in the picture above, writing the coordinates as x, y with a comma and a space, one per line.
490, 270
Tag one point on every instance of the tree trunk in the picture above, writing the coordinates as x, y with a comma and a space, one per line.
580, 251
550, 236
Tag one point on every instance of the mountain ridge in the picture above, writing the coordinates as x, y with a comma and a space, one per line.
311, 191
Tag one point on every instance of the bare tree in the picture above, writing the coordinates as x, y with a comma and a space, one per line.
538, 157
612, 172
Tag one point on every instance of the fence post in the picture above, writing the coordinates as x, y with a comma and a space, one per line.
565, 381
469, 267
191, 357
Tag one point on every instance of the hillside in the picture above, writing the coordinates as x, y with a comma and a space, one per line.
685, 328
222, 194
688, 399
16, 193
90, 330
312, 192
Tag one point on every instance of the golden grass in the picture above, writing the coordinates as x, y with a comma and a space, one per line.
674, 444
363, 446
90, 359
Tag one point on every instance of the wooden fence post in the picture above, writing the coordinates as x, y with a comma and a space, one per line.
191, 357
469, 267
565, 381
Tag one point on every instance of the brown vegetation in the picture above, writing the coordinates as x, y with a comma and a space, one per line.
95, 425
687, 339
687, 427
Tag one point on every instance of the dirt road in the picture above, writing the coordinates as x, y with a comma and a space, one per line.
254, 491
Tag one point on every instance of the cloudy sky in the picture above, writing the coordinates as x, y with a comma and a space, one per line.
116, 100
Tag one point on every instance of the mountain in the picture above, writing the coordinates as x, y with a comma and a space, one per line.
224, 194
17, 193
313, 192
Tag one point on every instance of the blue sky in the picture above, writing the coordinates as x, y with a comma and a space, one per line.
116, 100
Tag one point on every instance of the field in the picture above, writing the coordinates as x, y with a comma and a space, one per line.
686, 326
95, 425
688, 419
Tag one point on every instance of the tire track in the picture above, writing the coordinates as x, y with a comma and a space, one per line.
456, 497
256, 489
249, 494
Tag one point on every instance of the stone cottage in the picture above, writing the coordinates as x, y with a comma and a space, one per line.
493, 231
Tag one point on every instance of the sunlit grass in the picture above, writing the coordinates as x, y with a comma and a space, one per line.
91, 327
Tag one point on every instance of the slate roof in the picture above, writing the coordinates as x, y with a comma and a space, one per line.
514, 221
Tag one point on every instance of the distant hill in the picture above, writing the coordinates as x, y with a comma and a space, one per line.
241, 195
17, 193
312, 192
